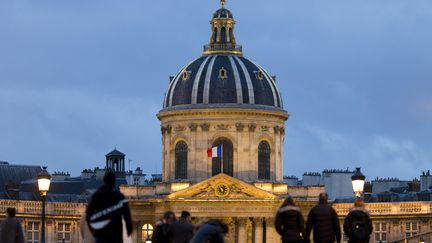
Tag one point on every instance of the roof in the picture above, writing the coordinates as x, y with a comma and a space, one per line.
222, 79
115, 152
14, 174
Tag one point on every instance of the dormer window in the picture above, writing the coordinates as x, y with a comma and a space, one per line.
186, 75
222, 73
259, 75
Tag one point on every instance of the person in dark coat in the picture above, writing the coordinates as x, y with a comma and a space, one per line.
323, 219
162, 233
106, 210
358, 225
182, 230
10, 228
289, 223
213, 231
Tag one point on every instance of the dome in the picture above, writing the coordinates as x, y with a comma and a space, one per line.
222, 13
222, 77
222, 80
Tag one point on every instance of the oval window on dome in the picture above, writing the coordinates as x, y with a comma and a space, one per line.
186, 75
222, 73
259, 75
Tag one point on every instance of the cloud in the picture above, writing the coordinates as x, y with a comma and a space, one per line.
73, 129
378, 155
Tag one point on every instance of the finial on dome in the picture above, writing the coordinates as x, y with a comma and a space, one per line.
222, 3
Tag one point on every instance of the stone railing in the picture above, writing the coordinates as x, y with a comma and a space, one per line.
52, 208
391, 208
424, 237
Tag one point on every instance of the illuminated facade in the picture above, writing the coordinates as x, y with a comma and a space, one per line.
221, 99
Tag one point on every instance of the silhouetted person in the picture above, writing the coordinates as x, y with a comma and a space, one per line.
323, 219
10, 228
105, 211
213, 231
289, 223
85, 232
161, 233
358, 225
182, 230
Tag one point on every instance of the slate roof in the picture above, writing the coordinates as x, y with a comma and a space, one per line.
15, 174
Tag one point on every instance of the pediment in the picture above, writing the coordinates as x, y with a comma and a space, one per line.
222, 187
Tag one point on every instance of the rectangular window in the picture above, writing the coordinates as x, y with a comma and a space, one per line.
33, 232
411, 228
64, 233
380, 230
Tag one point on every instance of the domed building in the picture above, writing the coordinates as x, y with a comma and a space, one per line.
225, 101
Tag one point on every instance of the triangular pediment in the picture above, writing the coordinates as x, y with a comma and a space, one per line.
222, 186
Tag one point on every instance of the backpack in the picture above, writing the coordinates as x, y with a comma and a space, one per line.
359, 230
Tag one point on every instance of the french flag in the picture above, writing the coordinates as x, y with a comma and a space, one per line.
214, 152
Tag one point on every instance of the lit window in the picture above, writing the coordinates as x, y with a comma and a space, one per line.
146, 232
64, 233
33, 232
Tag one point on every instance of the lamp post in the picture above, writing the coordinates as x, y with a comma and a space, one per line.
358, 181
44, 181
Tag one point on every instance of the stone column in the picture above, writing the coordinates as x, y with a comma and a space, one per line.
241, 230
271, 234
258, 230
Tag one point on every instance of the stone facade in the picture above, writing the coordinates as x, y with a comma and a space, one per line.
245, 128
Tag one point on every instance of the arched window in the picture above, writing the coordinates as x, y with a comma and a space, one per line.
146, 232
181, 152
263, 161
225, 163
223, 35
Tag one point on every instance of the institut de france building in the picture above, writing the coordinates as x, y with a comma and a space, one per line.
222, 99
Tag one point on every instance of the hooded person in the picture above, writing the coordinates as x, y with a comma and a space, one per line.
289, 223
106, 210
357, 224
10, 228
324, 221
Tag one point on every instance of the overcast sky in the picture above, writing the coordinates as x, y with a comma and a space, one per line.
78, 78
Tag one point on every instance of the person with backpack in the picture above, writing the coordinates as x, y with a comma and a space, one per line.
358, 225
106, 211
324, 221
289, 223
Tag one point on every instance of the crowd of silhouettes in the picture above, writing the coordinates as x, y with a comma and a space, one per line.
323, 221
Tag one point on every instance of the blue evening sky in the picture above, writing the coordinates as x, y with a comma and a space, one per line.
78, 78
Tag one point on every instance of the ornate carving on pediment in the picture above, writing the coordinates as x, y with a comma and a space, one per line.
252, 127
193, 127
222, 186
264, 128
205, 127
222, 127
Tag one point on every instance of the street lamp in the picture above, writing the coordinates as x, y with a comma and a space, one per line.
44, 180
358, 181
